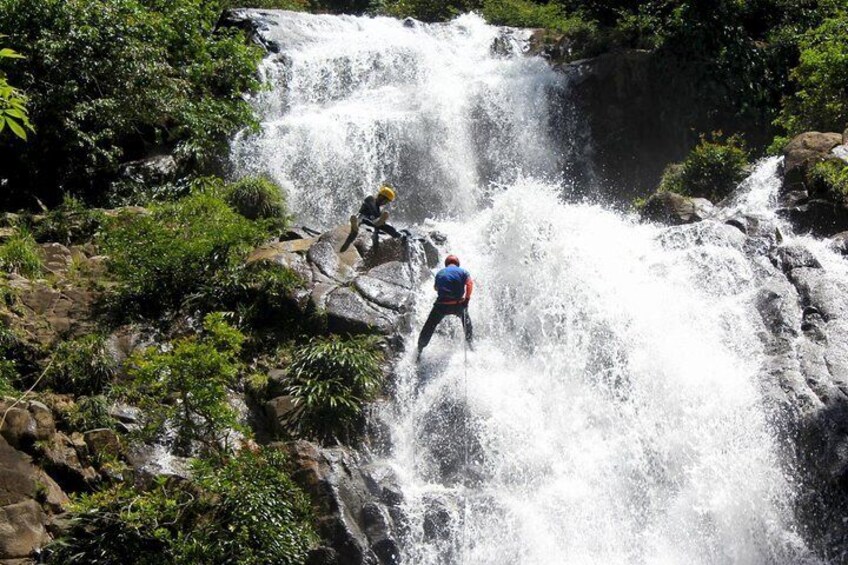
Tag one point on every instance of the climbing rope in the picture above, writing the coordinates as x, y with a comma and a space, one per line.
465, 440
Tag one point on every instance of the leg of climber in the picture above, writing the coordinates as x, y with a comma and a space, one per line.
436, 315
467, 326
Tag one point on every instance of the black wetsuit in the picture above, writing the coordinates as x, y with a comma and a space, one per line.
454, 285
369, 212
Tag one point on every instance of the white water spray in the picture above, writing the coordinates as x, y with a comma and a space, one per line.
614, 413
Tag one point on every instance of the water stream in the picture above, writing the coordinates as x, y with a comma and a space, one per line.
612, 410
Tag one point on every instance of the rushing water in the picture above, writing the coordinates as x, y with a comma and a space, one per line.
611, 411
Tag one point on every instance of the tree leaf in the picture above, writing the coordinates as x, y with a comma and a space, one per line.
16, 128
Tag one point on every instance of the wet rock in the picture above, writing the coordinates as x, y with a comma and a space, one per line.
349, 313
818, 216
158, 169
437, 519
22, 529
61, 460
20, 480
277, 383
382, 293
103, 444
335, 256
674, 209
322, 556
26, 423
791, 257
348, 518
125, 413
278, 410
839, 243
803, 151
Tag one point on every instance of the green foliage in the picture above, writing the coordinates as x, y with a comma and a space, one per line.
245, 510
260, 516
20, 254
185, 388
524, 13
17, 359
331, 379
711, 170
89, 413
82, 367
829, 177
71, 223
8, 375
427, 10
107, 79
258, 198
164, 257
124, 525
13, 111
260, 294
821, 102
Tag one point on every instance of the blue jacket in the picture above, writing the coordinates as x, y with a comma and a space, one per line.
453, 284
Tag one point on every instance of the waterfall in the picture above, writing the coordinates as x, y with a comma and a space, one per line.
614, 409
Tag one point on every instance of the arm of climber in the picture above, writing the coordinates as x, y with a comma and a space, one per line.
469, 288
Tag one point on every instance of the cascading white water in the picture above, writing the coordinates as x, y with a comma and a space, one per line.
611, 411
431, 109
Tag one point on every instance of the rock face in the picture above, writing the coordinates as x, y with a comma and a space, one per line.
810, 206
361, 287
357, 505
27, 495
674, 209
644, 110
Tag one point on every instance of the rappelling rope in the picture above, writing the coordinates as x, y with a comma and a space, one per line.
465, 438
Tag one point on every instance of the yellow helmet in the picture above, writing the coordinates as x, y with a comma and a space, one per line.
387, 192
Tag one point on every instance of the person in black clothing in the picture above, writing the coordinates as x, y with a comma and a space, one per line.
454, 286
371, 215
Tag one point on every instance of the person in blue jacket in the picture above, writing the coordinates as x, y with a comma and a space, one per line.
454, 286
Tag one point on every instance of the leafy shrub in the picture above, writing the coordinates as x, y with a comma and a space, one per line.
89, 413
70, 223
8, 375
829, 177
427, 10
331, 379
258, 198
82, 367
109, 78
260, 516
246, 510
20, 254
259, 294
124, 525
524, 13
17, 358
185, 388
162, 258
711, 170
821, 102
13, 111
